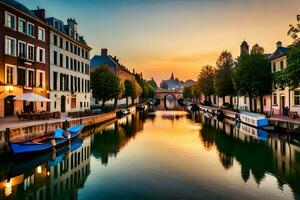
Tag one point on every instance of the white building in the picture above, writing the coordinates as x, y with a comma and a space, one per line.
69, 67
282, 96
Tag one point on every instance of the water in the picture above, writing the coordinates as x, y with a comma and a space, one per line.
162, 154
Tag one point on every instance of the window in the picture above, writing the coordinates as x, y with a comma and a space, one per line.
55, 57
78, 52
274, 67
71, 47
40, 78
82, 53
61, 60
21, 76
55, 39
61, 79
61, 42
30, 79
75, 64
22, 26
265, 101
71, 62
275, 99
41, 55
75, 49
67, 62
80, 104
10, 20
22, 49
41, 34
10, 74
30, 52
297, 97
281, 65
30, 29
67, 45
54, 80
82, 68
10, 46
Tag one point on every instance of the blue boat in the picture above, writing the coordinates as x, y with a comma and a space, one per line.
44, 143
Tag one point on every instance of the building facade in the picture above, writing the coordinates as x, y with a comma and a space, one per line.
69, 67
283, 98
24, 64
120, 71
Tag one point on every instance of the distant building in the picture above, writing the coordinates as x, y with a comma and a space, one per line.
24, 64
282, 97
174, 83
113, 63
69, 67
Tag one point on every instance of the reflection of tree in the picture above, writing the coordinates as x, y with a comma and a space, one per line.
110, 141
207, 135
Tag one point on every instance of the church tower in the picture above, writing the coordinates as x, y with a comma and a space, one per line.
244, 48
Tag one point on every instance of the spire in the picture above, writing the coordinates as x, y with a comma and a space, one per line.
172, 76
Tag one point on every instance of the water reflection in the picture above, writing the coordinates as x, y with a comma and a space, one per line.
256, 154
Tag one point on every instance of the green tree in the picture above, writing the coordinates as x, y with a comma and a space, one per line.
252, 77
152, 83
294, 30
130, 90
223, 76
293, 66
256, 49
105, 84
187, 92
205, 81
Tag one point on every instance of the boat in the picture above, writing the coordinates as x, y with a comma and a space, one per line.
255, 132
44, 143
123, 112
253, 119
182, 102
140, 107
193, 107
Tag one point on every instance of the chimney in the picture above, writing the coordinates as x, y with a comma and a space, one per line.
103, 52
40, 13
72, 24
278, 44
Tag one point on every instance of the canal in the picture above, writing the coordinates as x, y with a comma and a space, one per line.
164, 153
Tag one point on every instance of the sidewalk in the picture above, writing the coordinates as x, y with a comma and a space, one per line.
14, 122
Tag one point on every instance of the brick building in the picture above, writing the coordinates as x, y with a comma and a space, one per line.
24, 61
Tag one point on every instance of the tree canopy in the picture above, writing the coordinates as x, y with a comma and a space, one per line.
294, 30
293, 66
223, 75
205, 82
105, 84
152, 83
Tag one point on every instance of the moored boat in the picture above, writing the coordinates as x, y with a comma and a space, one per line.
123, 112
253, 119
140, 107
44, 143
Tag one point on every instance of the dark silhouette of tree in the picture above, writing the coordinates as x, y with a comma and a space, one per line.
105, 84
205, 82
223, 76
129, 90
294, 30
293, 66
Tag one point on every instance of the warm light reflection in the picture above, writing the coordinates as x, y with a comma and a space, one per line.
9, 88
39, 169
8, 187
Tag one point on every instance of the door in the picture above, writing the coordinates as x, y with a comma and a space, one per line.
9, 106
282, 104
63, 104
255, 105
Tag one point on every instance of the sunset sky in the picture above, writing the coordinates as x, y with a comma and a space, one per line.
158, 37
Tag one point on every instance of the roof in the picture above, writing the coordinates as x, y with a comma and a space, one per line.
244, 43
280, 51
99, 60
20, 7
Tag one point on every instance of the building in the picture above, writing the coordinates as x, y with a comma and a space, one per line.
282, 96
69, 67
24, 64
120, 71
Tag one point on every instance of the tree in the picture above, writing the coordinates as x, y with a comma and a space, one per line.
152, 83
130, 90
164, 85
293, 66
223, 76
294, 30
252, 77
105, 84
256, 49
205, 81
187, 92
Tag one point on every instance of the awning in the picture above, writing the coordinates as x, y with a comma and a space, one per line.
32, 97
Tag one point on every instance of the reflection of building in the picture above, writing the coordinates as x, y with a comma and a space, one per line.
69, 67
54, 179
275, 156
24, 64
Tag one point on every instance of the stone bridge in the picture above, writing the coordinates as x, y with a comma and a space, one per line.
162, 94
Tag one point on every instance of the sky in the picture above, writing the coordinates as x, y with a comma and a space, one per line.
157, 37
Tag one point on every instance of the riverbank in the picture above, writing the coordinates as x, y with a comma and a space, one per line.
11, 130
281, 121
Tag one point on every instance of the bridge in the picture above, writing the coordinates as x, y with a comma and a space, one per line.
162, 94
